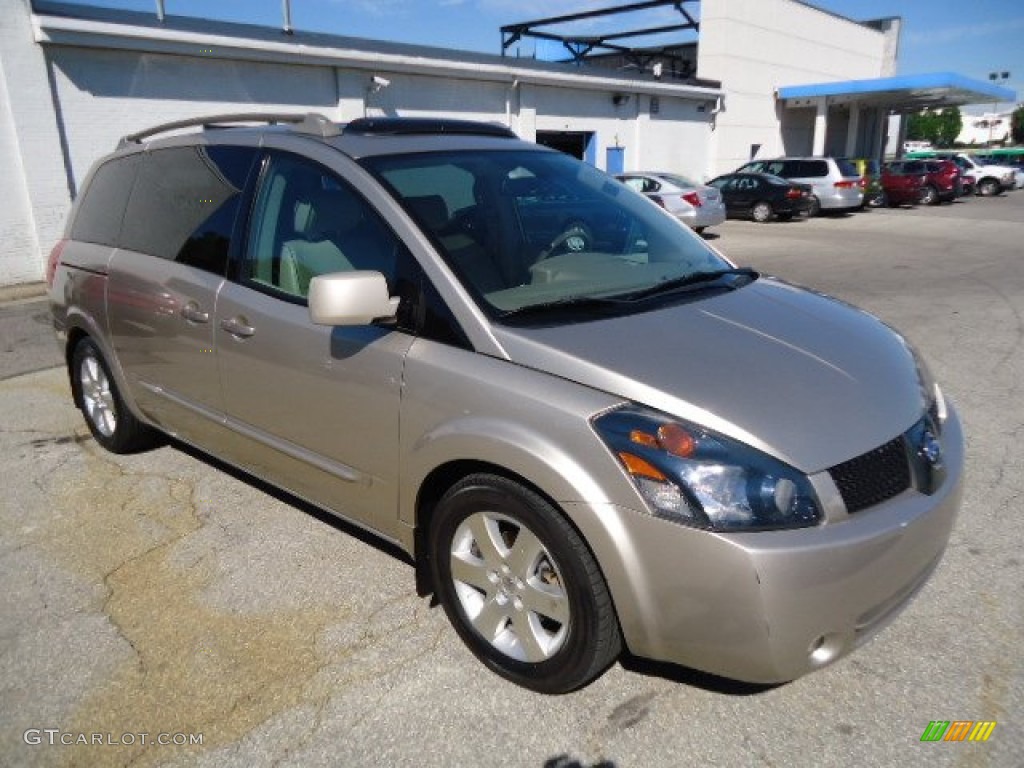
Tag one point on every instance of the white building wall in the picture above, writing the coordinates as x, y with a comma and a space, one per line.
17, 233
66, 102
35, 194
105, 94
674, 138
756, 46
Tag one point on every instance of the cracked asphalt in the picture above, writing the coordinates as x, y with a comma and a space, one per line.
164, 594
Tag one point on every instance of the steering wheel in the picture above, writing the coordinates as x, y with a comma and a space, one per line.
575, 238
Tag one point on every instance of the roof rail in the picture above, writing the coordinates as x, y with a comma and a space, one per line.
311, 123
407, 126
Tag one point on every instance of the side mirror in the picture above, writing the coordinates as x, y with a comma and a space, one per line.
350, 298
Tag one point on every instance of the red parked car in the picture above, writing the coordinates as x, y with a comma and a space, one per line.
901, 187
942, 179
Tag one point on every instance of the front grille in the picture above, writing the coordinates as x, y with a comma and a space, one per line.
873, 477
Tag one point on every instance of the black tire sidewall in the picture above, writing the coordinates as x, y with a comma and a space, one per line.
129, 434
573, 664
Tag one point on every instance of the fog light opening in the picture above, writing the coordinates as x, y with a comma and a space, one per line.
825, 649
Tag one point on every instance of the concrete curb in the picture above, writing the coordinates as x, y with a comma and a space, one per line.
10, 294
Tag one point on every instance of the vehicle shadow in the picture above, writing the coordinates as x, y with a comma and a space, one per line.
693, 677
339, 524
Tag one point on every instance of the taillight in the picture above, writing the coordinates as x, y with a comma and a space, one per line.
793, 194
846, 184
53, 261
692, 199
863, 183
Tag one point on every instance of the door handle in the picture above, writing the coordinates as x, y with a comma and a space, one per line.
238, 327
194, 314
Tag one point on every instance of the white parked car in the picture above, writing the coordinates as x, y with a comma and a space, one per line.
696, 205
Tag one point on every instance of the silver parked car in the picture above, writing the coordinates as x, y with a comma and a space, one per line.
696, 205
838, 185
587, 428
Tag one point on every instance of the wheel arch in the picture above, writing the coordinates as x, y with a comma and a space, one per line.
447, 475
80, 327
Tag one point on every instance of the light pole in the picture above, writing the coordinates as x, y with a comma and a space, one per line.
996, 78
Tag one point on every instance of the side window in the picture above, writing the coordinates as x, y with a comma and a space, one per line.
101, 209
184, 203
308, 222
814, 169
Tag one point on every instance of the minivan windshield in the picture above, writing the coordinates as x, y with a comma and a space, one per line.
529, 229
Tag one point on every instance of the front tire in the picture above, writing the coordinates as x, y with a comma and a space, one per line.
988, 187
929, 195
95, 393
761, 212
520, 586
815, 208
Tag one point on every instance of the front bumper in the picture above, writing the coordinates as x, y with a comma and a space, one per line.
769, 607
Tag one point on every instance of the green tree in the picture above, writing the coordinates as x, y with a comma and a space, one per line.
939, 126
1017, 126
921, 126
949, 123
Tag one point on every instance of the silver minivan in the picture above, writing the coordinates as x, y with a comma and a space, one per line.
589, 430
837, 184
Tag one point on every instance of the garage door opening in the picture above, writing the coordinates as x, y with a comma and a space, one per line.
579, 144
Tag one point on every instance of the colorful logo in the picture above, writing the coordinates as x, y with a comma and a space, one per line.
958, 730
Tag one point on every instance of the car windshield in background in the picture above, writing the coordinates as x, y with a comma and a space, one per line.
680, 181
539, 229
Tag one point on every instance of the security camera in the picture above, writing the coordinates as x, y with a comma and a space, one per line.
378, 82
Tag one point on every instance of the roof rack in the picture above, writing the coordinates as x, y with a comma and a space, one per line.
311, 123
408, 126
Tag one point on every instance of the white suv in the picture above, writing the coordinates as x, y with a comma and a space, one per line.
989, 179
836, 181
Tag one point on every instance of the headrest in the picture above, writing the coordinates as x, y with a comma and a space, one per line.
431, 209
327, 212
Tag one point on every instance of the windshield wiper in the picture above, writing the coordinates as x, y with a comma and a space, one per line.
696, 279
569, 302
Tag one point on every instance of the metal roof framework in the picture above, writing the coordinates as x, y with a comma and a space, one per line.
580, 47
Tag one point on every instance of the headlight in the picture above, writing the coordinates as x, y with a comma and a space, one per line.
931, 394
689, 475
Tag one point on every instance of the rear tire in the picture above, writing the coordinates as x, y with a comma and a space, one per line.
929, 195
520, 586
761, 212
95, 393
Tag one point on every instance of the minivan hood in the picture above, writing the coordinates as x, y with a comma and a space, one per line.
807, 378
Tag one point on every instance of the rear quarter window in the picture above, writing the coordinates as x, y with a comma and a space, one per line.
184, 203
101, 208
847, 168
809, 169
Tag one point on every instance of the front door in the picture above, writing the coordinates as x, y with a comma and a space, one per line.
318, 406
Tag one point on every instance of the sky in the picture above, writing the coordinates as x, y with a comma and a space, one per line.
970, 37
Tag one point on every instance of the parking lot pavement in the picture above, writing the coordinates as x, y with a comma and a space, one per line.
159, 594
